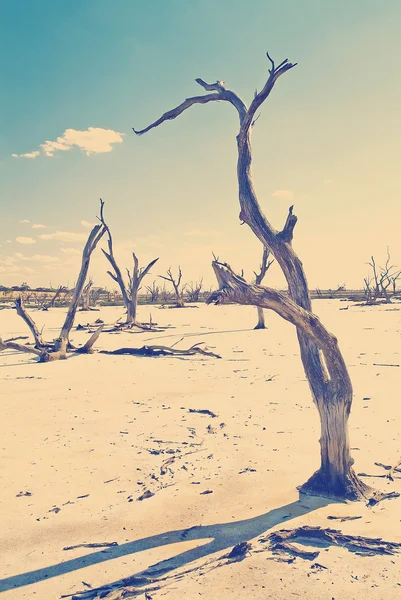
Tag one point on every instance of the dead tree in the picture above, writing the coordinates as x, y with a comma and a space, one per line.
61, 290
193, 291
175, 282
377, 286
264, 267
85, 296
154, 292
129, 292
95, 296
324, 365
56, 350
165, 295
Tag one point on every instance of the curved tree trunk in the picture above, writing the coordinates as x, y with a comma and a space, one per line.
327, 376
335, 476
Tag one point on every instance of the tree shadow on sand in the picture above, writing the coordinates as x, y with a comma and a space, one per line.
222, 536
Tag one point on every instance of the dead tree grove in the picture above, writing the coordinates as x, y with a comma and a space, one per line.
175, 282
323, 362
129, 292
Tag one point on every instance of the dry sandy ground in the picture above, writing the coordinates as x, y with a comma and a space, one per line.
83, 439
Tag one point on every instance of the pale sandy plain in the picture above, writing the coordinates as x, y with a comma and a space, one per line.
80, 436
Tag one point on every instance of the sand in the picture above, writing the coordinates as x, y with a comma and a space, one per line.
83, 439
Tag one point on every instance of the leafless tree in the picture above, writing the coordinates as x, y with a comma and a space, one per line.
85, 296
165, 295
264, 267
60, 290
58, 349
154, 292
382, 283
333, 293
323, 362
193, 291
175, 282
95, 295
129, 291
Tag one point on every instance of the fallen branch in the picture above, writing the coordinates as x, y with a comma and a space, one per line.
92, 545
333, 537
162, 351
18, 337
391, 470
19, 347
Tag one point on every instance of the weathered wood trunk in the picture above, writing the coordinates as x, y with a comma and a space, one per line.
132, 307
261, 319
178, 298
327, 376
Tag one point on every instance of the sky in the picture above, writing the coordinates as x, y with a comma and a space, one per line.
76, 77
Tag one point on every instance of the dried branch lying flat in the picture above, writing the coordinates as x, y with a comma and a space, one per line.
162, 351
331, 537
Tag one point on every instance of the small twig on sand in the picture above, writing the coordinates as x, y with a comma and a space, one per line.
92, 545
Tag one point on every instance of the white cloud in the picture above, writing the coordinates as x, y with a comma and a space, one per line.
86, 224
25, 240
24, 221
64, 236
44, 258
197, 233
33, 154
93, 140
71, 251
286, 194
38, 226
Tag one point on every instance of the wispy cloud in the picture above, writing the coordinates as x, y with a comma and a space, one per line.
198, 233
286, 194
86, 224
71, 251
64, 236
24, 221
38, 226
25, 240
43, 258
93, 140
27, 154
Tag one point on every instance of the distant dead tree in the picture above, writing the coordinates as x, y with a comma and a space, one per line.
323, 362
129, 291
193, 291
338, 290
383, 278
264, 267
59, 348
85, 296
60, 290
95, 295
175, 282
154, 292
165, 295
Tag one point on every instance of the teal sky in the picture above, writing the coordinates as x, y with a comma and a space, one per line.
328, 140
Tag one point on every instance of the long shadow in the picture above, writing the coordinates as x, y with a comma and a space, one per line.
223, 535
198, 334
